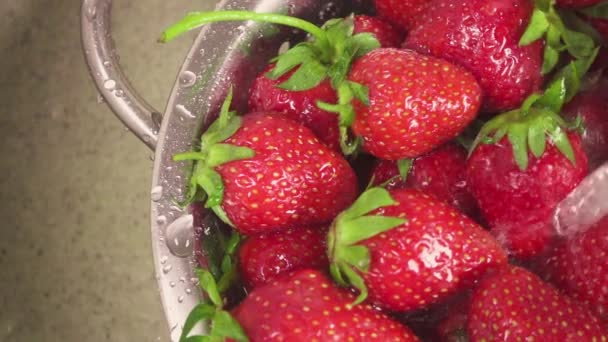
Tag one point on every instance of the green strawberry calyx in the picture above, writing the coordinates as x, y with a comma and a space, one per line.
222, 325
599, 10
213, 153
328, 55
529, 127
354, 225
562, 30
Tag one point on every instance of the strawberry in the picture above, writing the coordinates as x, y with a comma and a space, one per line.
263, 172
454, 327
401, 13
264, 257
591, 105
578, 266
483, 37
523, 164
440, 173
514, 304
265, 95
387, 35
406, 250
415, 103
327, 57
306, 306
268, 95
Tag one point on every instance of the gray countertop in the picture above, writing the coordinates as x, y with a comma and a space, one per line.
75, 254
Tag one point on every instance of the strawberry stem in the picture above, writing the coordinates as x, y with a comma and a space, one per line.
197, 19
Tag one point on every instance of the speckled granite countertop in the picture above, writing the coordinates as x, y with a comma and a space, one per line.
75, 254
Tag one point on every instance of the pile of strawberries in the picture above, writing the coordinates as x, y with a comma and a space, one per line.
396, 176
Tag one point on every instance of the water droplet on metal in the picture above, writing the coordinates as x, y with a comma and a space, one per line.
100, 99
163, 259
161, 220
146, 138
172, 283
109, 84
188, 291
183, 112
157, 193
107, 64
167, 268
180, 299
182, 279
91, 12
187, 79
180, 234
119, 93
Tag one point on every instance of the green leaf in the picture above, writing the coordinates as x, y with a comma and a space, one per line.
200, 313
209, 286
309, 75
360, 92
336, 274
550, 59
574, 22
211, 181
519, 143
225, 326
220, 154
578, 44
219, 131
355, 280
364, 227
555, 96
357, 256
363, 43
185, 156
536, 28
561, 141
404, 166
544, 5
529, 102
225, 113
349, 146
369, 201
537, 140
338, 71
599, 10
293, 57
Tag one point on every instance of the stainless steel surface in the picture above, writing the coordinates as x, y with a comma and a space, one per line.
102, 59
585, 205
223, 55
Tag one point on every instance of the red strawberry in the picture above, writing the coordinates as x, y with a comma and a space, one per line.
578, 265
264, 257
454, 327
523, 164
416, 102
263, 172
518, 204
266, 94
386, 34
514, 304
309, 67
408, 250
440, 173
483, 36
402, 13
592, 106
301, 106
306, 306
577, 3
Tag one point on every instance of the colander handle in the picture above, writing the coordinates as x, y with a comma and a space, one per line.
139, 116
